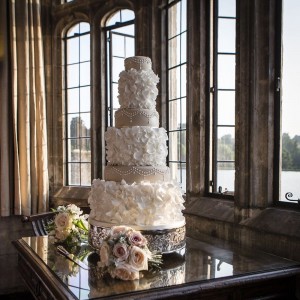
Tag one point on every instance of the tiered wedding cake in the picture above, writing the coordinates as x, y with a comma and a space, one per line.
137, 190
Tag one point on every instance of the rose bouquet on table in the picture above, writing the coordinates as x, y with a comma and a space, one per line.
124, 253
69, 226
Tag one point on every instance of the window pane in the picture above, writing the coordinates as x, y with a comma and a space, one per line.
226, 108
183, 16
183, 113
114, 19
225, 177
86, 174
125, 29
73, 100
226, 71
129, 47
226, 143
127, 15
84, 27
85, 150
183, 81
85, 99
73, 75
118, 45
174, 86
174, 52
183, 145
85, 47
74, 150
74, 173
227, 8
85, 74
118, 66
226, 35
174, 113
173, 146
183, 47
115, 94
85, 124
72, 50
174, 20
290, 173
73, 125
74, 30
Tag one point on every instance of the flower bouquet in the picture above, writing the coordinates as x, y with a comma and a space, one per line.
124, 253
69, 226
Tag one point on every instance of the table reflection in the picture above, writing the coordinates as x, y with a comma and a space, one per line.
198, 261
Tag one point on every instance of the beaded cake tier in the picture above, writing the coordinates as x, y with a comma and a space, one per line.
136, 173
128, 117
138, 63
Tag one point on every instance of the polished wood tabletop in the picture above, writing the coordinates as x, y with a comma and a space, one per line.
210, 268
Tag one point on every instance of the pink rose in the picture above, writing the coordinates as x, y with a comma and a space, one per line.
116, 230
125, 272
120, 250
138, 259
137, 239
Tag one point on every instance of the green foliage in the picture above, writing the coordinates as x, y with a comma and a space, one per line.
290, 152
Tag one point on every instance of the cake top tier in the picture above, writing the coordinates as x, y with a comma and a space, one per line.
138, 63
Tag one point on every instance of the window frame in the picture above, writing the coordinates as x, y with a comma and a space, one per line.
277, 112
180, 98
212, 108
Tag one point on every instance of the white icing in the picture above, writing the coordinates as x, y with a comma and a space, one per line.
137, 89
138, 145
143, 204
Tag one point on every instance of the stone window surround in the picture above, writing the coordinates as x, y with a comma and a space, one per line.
252, 219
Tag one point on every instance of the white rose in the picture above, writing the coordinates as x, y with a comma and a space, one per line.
63, 220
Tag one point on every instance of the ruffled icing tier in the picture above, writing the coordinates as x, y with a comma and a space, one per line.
137, 89
136, 173
143, 204
136, 146
128, 117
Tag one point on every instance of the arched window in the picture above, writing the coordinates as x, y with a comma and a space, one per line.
120, 44
77, 105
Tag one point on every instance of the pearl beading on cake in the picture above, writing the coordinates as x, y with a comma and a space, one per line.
134, 170
131, 115
138, 63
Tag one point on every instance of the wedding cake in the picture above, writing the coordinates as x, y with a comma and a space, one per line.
137, 189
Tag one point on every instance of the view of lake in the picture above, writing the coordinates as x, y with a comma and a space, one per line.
289, 182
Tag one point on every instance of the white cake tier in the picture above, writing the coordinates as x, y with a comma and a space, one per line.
138, 63
144, 205
137, 89
128, 117
136, 173
136, 146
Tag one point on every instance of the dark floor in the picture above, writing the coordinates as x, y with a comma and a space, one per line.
11, 284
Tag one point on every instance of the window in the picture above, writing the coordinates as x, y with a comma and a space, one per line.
290, 122
176, 64
222, 89
77, 105
120, 44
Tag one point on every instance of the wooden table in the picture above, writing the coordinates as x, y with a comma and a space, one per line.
210, 269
